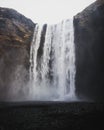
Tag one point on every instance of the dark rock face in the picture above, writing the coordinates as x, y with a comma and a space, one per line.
89, 43
16, 33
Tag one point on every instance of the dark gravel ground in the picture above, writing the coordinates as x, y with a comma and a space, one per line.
51, 115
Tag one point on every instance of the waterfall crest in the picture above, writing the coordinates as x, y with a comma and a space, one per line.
52, 58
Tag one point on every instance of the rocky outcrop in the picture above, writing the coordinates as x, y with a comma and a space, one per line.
16, 33
89, 43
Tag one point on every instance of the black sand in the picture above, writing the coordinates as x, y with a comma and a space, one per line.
51, 115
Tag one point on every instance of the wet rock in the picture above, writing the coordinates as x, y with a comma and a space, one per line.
16, 33
89, 43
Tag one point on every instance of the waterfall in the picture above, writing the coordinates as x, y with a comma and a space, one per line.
52, 58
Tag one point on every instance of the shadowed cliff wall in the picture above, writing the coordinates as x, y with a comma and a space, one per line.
89, 43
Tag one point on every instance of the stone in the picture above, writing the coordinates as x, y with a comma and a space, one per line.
16, 32
89, 47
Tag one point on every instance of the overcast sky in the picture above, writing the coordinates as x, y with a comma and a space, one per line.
47, 11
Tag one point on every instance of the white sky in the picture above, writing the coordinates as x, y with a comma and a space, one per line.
47, 11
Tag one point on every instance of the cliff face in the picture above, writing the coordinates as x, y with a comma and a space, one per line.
89, 43
16, 33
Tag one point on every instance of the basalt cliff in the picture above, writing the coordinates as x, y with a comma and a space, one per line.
89, 44
16, 32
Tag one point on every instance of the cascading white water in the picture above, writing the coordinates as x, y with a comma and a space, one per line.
52, 75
